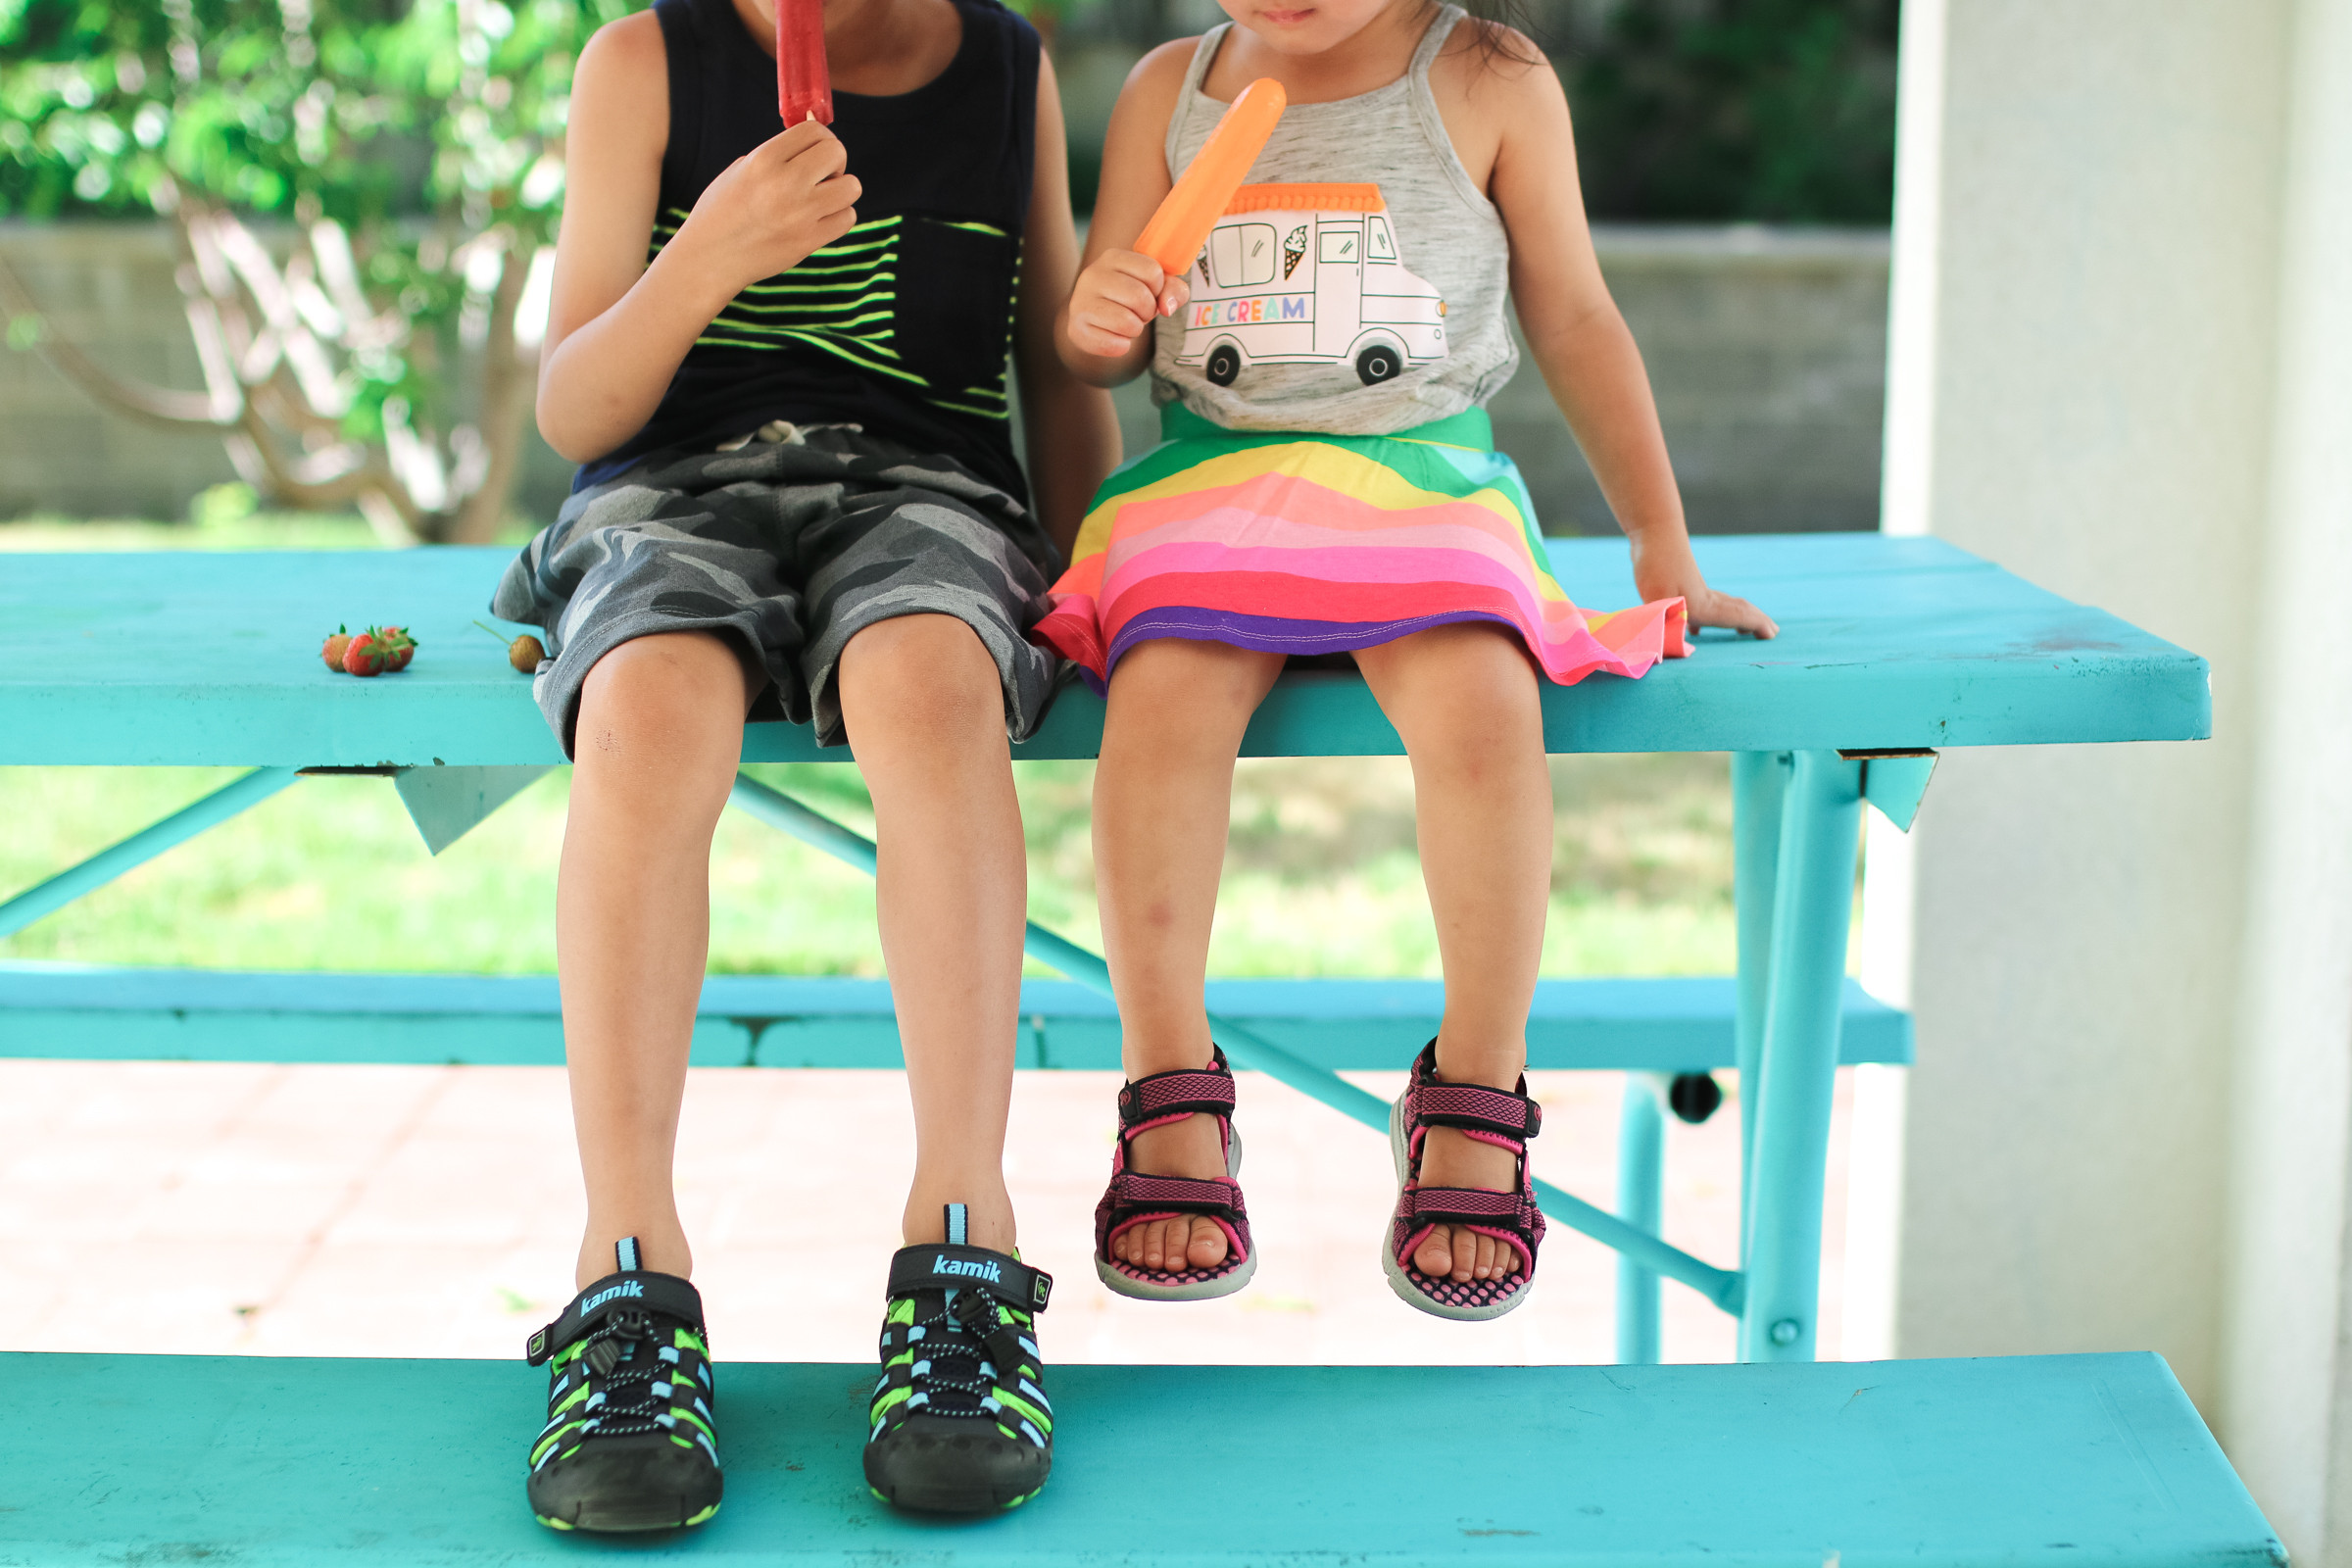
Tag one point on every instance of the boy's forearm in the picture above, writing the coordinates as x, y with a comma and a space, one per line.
599, 384
1595, 371
1073, 441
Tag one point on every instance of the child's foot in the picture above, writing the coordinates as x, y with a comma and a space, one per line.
1172, 1226
960, 1423
1462, 1240
630, 1441
1192, 1147
1452, 1158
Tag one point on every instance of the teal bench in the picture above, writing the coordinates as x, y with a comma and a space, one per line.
2066, 1461
1891, 649
101, 1012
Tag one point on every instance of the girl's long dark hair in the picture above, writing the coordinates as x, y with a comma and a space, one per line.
1506, 30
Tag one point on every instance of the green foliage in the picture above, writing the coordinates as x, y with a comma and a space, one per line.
428, 131
1695, 110
294, 107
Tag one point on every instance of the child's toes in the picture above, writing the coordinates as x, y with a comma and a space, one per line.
1206, 1248
1435, 1255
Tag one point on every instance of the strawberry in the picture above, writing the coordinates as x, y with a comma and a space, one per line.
399, 646
363, 656
523, 651
333, 651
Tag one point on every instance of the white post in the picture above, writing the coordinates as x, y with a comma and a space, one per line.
2082, 394
2285, 1413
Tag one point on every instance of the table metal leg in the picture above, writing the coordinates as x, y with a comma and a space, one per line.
238, 795
1812, 911
1759, 786
1640, 1180
1251, 1050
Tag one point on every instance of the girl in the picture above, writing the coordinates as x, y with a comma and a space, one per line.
779, 355
1328, 484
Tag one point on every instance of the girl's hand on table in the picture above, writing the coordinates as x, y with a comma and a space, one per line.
767, 210
1117, 300
1669, 573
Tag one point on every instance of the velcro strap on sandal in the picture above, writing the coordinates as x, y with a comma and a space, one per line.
1492, 1110
638, 1292
1470, 1204
1183, 1194
943, 1266
1187, 1090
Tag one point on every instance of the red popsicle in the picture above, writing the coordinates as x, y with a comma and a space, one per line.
803, 87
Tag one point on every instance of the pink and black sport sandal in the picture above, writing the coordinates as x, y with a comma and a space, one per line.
1492, 1117
1134, 1198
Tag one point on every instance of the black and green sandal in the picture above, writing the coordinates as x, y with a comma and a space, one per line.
960, 1423
630, 1443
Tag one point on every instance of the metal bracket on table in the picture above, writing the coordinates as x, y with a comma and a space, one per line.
448, 803
1895, 782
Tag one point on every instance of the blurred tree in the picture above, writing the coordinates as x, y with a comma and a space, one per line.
379, 359
1687, 111
1703, 111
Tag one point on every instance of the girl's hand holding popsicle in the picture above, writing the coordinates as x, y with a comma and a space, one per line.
1118, 298
1123, 291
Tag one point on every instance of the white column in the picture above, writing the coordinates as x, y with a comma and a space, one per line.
2085, 395
2285, 1412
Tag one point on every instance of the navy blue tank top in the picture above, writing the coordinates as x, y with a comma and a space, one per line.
902, 326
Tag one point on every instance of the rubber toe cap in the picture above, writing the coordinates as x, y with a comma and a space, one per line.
948, 1464
622, 1484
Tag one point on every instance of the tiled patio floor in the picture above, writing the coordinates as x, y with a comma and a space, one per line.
434, 1211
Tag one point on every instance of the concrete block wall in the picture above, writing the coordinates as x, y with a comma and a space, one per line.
1767, 349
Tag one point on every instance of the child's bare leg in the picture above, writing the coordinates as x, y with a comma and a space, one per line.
926, 710
1164, 800
1464, 697
660, 726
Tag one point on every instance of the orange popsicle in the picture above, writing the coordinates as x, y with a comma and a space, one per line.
804, 85
1181, 226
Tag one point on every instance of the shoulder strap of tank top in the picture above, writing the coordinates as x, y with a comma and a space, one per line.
1204, 54
1425, 107
682, 52
1433, 39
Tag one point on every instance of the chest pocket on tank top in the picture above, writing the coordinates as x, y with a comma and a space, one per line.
953, 321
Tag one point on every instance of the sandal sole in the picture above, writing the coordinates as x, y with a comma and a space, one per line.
1135, 1290
1401, 1282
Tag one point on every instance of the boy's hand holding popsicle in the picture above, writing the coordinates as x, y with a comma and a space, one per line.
1122, 292
793, 194
767, 210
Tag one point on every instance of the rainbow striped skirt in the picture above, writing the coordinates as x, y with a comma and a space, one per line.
1296, 542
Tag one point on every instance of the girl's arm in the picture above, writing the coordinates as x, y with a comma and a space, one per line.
1072, 433
617, 328
1105, 332
1580, 342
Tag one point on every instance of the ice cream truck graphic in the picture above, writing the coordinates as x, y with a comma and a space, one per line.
1306, 275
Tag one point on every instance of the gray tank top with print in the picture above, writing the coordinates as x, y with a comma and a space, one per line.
1357, 285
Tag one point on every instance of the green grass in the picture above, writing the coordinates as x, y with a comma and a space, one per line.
1320, 877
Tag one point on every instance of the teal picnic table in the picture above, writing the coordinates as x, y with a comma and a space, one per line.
1890, 651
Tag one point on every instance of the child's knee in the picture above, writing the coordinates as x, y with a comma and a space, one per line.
1184, 678
650, 689
926, 674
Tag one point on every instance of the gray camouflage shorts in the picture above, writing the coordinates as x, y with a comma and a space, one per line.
787, 547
